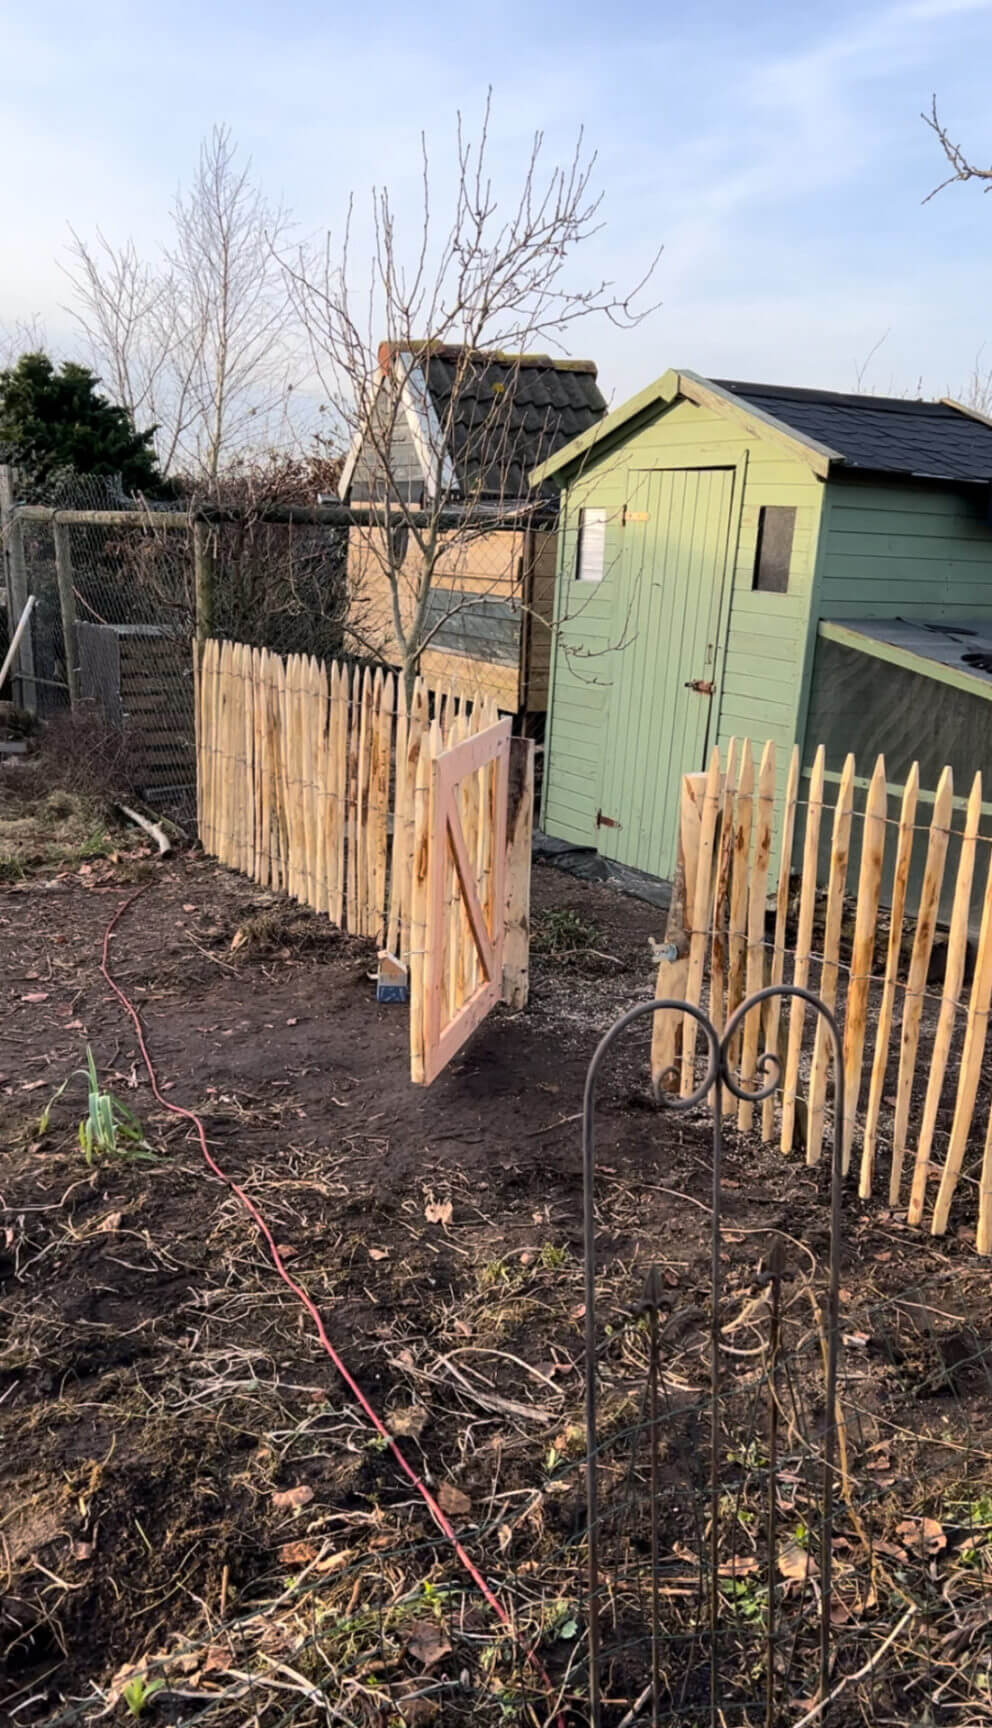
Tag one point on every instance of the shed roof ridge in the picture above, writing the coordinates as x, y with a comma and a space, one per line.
843, 398
434, 348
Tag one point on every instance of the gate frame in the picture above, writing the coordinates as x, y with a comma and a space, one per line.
448, 769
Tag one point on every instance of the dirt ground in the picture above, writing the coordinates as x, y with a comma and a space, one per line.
187, 1490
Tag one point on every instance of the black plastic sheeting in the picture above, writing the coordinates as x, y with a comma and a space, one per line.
587, 864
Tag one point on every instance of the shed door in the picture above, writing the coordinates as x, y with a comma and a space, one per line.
668, 603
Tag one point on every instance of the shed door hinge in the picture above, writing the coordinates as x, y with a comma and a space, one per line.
606, 821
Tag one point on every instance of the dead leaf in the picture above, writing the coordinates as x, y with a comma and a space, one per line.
218, 1658
238, 940
35, 996
463, 1329
297, 1553
451, 1499
427, 1644
438, 1212
741, 1566
921, 1535
188, 906
285, 1250
795, 1563
417, 1712
504, 1536
378, 1253
857, 1340
82, 1550
291, 1499
108, 1225
409, 1422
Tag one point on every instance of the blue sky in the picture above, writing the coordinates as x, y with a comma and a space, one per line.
775, 151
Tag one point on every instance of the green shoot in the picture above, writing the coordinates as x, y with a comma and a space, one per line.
139, 1691
46, 1115
109, 1128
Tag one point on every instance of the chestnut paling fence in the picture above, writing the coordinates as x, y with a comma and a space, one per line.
403, 822
889, 917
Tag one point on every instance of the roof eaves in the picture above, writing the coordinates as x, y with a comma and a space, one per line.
706, 394
664, 389
848, 635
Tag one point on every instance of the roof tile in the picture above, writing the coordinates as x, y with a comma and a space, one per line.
543, 404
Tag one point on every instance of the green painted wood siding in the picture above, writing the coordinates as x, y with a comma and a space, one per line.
759, 674
909, 551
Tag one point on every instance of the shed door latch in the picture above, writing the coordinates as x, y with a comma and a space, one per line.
606, 821
704, 686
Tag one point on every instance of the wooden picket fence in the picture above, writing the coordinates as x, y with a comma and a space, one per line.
734, 927
307, 781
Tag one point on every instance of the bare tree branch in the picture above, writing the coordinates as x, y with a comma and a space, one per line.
961, 167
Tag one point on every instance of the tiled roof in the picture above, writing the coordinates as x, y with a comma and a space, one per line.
880, 433
544, 403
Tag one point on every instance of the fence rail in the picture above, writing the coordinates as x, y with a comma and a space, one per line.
916, 1000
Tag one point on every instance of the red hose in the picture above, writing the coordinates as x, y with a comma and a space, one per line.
301, 1295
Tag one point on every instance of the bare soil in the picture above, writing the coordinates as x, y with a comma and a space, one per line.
187, 1488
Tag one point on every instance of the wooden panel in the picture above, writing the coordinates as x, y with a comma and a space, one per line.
444, 1018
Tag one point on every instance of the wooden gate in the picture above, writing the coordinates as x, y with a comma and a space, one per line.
459, 892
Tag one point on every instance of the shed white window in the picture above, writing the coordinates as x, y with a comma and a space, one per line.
590, 563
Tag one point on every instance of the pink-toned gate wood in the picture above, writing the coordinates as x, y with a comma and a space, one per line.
448, 769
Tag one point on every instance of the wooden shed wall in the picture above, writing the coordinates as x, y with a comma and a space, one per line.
511, 575
759, 676
489, 567
905, 550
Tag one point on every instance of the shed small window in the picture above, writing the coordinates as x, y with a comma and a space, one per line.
590, 564
773, 554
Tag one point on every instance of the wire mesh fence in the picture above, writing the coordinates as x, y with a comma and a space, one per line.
114, 587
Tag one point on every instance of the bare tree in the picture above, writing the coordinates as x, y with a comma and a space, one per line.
493, 278
202, 342
24, 336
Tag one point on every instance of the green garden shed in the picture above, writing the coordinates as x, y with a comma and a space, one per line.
751, 560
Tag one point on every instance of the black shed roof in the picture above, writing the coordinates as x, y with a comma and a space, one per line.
885, 434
